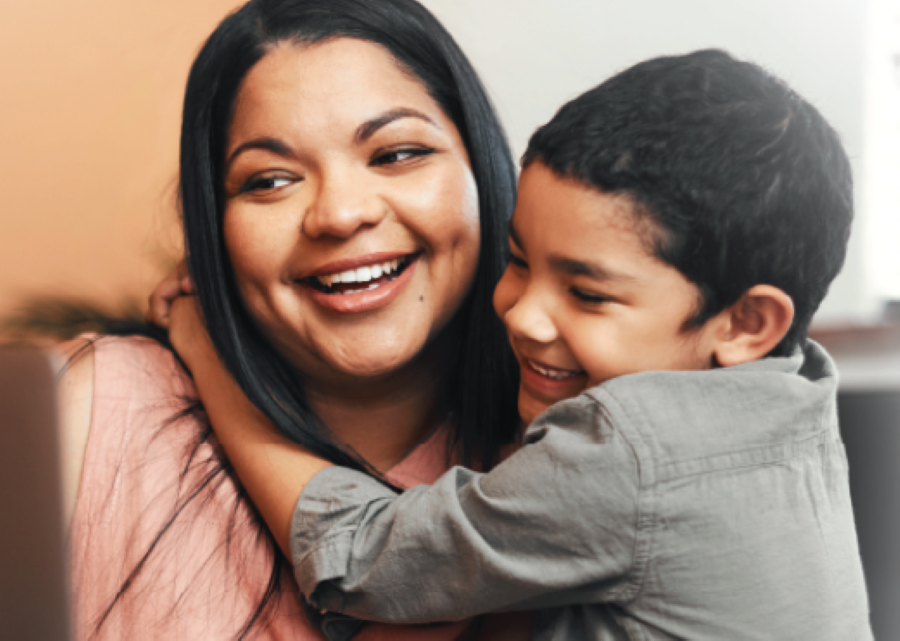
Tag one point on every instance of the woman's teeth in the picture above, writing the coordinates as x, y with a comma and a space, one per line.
554, 374
364, 275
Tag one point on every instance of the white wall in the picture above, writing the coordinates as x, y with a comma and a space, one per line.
535, 54
881, 183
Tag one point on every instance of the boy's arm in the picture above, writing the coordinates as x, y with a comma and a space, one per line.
272, 468
555, 524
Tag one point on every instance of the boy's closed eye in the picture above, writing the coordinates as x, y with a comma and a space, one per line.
589, 297
516, 261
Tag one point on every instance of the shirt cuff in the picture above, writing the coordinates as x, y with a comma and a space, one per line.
328, 513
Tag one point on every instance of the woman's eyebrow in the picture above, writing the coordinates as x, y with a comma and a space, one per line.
368, 128
269, 144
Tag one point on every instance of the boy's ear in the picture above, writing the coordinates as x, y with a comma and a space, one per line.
753, 326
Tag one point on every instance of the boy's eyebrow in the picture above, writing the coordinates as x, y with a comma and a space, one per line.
588, 268
515, 235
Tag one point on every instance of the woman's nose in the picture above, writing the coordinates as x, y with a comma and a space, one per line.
341, 206
528, 319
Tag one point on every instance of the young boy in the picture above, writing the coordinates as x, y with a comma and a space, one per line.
675, 231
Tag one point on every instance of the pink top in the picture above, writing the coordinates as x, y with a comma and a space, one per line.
142, 463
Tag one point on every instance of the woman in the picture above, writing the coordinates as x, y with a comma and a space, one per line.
322, 141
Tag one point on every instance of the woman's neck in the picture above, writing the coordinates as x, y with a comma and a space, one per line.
385, 418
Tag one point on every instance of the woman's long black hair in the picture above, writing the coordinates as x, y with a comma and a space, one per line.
482, 387
482, 383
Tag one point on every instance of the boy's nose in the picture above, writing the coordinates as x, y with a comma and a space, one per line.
528, 320
341, 206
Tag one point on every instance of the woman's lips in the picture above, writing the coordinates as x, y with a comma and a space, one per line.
549, 383
355, 297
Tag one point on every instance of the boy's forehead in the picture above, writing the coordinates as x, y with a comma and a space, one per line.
561, 208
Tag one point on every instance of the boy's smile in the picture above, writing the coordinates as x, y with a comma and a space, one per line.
584, 299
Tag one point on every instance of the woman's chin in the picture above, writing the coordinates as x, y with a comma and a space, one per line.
372, 370
369, 368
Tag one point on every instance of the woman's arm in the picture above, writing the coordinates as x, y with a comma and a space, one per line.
273, 469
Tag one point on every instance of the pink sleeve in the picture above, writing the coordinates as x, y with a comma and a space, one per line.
150, 462
144, 460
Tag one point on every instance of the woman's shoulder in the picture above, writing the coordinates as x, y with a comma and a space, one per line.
137, 367
158, 513
104, 380
75, 392
138, 388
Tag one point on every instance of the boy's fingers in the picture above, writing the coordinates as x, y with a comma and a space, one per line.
181, 274
159, 303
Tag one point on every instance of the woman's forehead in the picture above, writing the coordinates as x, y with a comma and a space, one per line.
336, 84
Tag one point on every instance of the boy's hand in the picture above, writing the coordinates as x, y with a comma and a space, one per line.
159, 304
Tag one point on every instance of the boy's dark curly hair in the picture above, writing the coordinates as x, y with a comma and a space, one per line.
744, 181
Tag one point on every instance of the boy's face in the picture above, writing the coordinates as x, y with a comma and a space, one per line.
584, 300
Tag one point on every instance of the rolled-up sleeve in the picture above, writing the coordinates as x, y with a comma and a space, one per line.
557, 523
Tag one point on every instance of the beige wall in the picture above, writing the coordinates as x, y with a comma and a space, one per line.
90, 99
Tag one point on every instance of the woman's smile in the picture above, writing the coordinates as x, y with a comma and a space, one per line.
359, 274
374, 284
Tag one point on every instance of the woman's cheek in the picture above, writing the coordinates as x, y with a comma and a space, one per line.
256, 259
466, 229
444, 214
467, 248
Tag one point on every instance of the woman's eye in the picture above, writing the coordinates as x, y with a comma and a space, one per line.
587, 297
265, 184
399, 155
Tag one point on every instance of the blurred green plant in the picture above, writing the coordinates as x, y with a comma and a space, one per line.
54, 318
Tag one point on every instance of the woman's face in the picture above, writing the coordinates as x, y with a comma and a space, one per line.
351, 216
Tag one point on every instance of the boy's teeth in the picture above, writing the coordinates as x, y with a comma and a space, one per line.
362, 274
555, 374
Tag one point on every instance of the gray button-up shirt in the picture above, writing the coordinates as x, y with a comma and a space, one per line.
661, 505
